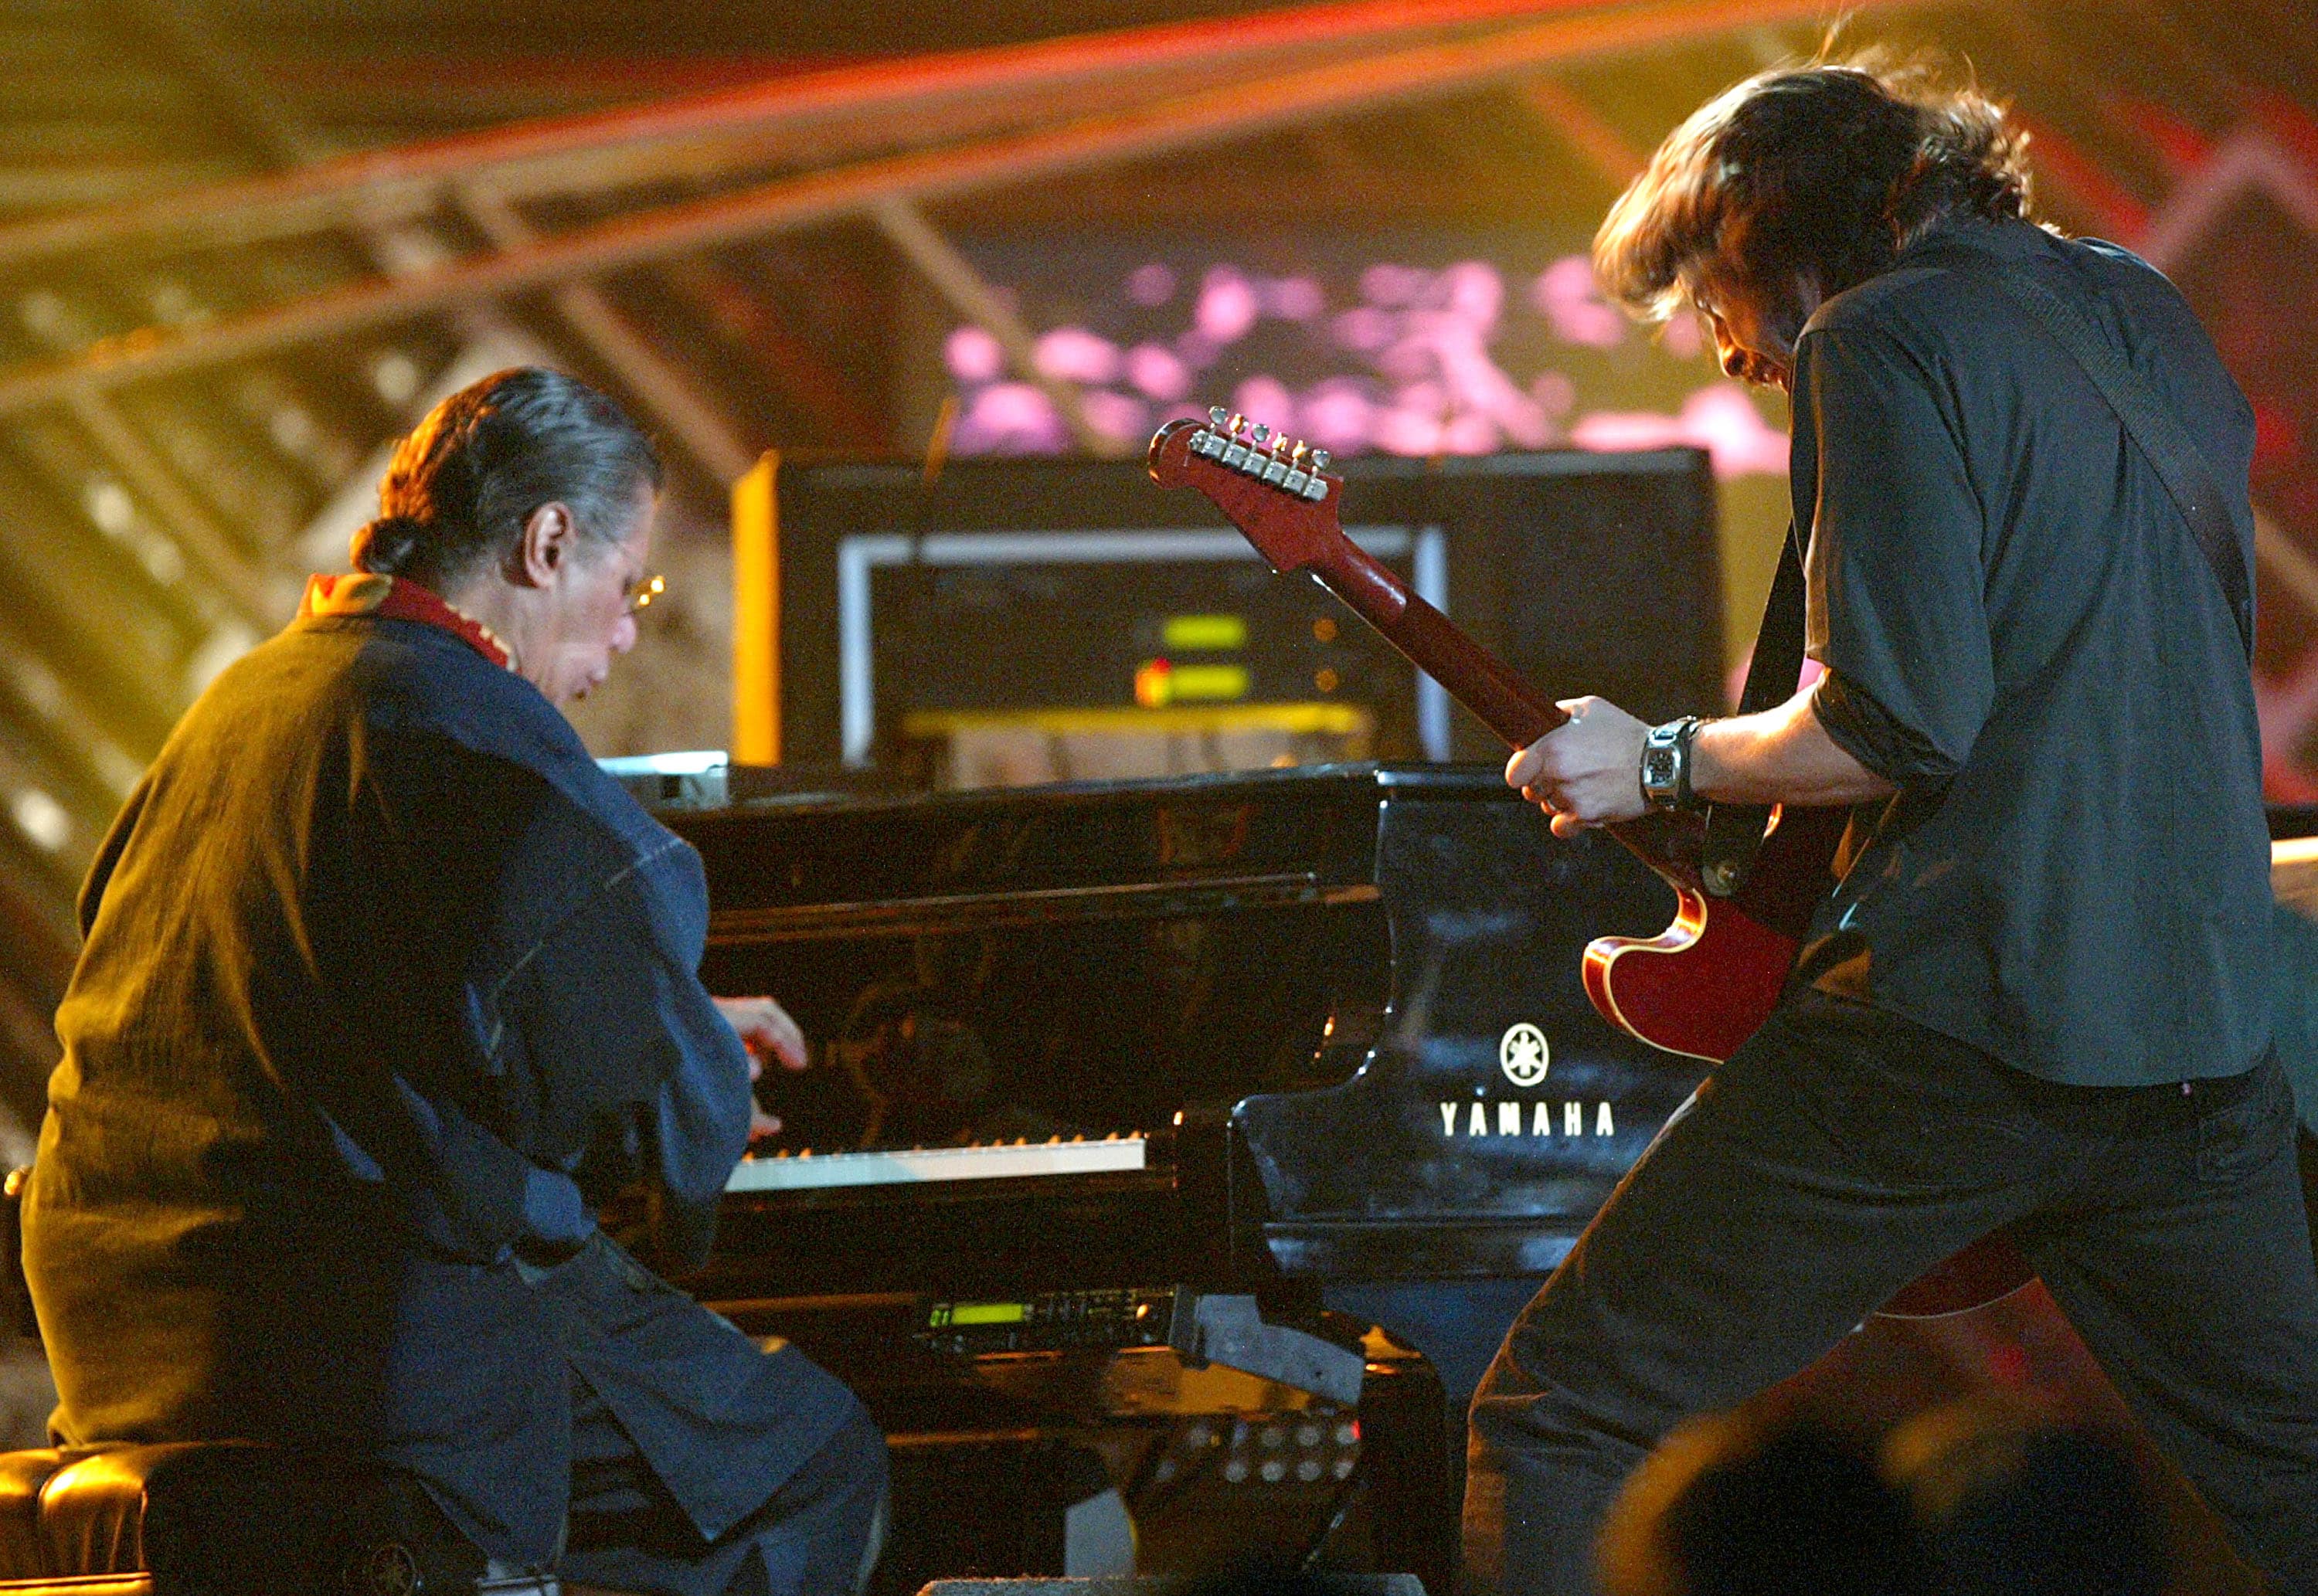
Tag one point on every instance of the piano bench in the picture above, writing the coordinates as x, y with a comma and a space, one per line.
222, 1518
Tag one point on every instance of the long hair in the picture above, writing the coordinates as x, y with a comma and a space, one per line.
1829, 169
459, 489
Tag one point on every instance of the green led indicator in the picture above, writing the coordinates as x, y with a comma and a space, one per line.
989, 1313
1208, 684
1192, 632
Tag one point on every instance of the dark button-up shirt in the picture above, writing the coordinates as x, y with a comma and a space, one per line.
385, 986
2022, 633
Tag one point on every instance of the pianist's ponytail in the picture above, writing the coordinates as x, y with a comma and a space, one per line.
460, 488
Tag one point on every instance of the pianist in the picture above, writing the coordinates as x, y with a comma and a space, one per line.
385, 987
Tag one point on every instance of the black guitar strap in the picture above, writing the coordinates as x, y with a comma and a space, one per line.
1734, 832
2163, 441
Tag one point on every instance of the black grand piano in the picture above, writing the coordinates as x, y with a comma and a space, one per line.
1107, 1067
1115, 1081
1324, 1023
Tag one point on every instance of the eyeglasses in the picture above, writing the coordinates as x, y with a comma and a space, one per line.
645, 590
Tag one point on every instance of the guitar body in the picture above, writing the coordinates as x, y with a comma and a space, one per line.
1699, 988
1704, 985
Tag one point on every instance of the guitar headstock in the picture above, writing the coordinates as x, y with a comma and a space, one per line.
1275, 491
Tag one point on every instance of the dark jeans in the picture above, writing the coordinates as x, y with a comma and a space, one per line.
815, 1536
1837, 1155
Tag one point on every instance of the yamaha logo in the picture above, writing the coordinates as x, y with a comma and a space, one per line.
1522, 1054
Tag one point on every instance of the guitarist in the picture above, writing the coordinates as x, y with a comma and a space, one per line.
2038, 997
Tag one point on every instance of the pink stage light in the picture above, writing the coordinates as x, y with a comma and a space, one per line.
973, 356
1365, 330
1572, 303
1468, 433
1293, 299
1074, 355
1196, 350
1336, 416
1266, 400
1391, 285
1448, 341
1411, 424
1228, 305
1423, 347
1719, 419
1116, 415
1010, 418
1159, 372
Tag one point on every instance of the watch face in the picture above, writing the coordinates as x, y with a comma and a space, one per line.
1659, 767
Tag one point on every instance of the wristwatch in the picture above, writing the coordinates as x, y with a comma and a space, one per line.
1666, 765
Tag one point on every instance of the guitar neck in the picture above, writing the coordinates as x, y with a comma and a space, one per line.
1287, 508
1498, 697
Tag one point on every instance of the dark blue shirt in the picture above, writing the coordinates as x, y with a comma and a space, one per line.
2022, 633
385, 986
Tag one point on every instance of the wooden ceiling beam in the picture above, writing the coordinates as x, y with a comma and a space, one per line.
953, 277
1193, 121
671, 396
806, 381
276, 139
577, 155
1584, 129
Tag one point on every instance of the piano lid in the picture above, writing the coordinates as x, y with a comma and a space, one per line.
1082, 961
842, 865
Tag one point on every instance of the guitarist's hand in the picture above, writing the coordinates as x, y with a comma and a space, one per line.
1588, 771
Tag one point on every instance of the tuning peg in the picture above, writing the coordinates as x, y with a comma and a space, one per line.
1215, 415
1299, 452
1263, 432
1293, 477
1232, 426
1320, 458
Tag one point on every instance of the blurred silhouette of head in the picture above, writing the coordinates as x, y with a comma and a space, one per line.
1274, 1576
2013, 1504
1745, 1505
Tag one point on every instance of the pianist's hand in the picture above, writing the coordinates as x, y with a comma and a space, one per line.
1585, 772
765, 1028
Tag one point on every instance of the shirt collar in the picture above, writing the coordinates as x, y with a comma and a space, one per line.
397, 598
2008, 239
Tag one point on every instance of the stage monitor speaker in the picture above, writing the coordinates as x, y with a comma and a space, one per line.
1006, 602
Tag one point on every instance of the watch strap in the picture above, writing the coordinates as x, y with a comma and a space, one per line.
1665, 772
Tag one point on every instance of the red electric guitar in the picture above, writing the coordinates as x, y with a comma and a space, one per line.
1699, 987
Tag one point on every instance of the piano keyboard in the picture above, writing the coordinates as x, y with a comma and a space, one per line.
806, 1171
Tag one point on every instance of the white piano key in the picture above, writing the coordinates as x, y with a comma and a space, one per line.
818, 1170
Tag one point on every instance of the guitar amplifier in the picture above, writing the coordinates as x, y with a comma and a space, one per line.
1067, 619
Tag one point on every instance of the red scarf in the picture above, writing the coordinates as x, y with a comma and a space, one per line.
397, 598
